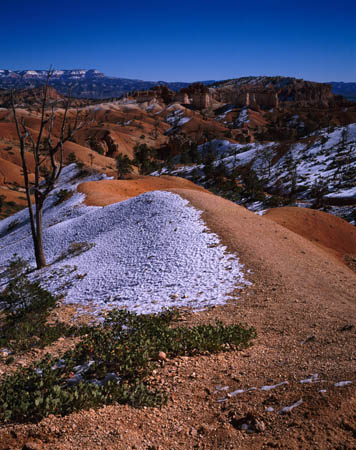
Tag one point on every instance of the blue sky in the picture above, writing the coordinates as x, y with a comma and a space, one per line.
183, 40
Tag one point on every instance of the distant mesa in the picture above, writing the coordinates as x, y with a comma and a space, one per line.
42, 74
246, 91
84, 83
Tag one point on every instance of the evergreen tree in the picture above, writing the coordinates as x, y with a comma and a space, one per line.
2, 202
71, 158
144, 159
123, 165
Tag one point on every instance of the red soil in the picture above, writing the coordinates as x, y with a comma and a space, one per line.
325, 230
302, 303
106, 192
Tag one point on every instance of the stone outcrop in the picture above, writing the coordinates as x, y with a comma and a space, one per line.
260, 92
273, 92
201, 100
252, 97
157, 93
183, 98
197, 95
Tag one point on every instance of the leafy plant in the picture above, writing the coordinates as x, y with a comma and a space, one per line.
62, 195
12, 225
144, 159
75, 249
123, 165
111, 364
26, 306
22, 296
2, 201
71, 158
17, 266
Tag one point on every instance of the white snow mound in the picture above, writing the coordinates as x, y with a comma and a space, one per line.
148, 253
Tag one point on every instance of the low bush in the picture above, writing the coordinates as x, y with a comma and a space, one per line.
75, 249
111, 364
12, 225
23, 296
62, 195
26, 307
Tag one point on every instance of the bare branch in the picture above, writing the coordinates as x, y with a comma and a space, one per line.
22, 139
46, 147
43, 108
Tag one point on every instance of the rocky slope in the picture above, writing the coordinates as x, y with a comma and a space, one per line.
317, 171
295, 388
94, 84
147, 242
292, 126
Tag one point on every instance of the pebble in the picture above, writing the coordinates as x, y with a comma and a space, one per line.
260, 425
31, 445
161, 356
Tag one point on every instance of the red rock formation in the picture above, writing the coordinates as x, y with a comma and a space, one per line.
198, 95
201, 100
271, 92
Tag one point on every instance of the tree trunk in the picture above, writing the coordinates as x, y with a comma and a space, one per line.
39, 253
42, 147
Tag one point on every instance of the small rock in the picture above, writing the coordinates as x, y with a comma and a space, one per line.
32, 445
308, 339
260, 426
347, 327
161, 356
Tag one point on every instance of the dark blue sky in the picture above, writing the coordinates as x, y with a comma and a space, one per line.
183, 40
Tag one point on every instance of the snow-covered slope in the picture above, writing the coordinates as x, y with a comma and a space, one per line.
324, 161
330, 159
147, 253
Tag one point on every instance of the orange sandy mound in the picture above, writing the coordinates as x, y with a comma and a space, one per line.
13, 196
82, 154
106, 192
269, 248
11, 173
12, 154
8, 130
328, 231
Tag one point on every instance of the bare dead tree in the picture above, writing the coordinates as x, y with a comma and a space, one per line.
47, 151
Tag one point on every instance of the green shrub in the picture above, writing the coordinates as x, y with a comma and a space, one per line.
111, 365
71, 158
62, 195
26, 307
2, 201
12, 225
22, 296
75, 249
123, 165
17, 266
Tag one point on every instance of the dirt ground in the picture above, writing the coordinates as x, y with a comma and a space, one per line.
302, 302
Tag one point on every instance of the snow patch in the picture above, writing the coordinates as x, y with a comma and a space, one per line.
288, 409
342, 383
144, 254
